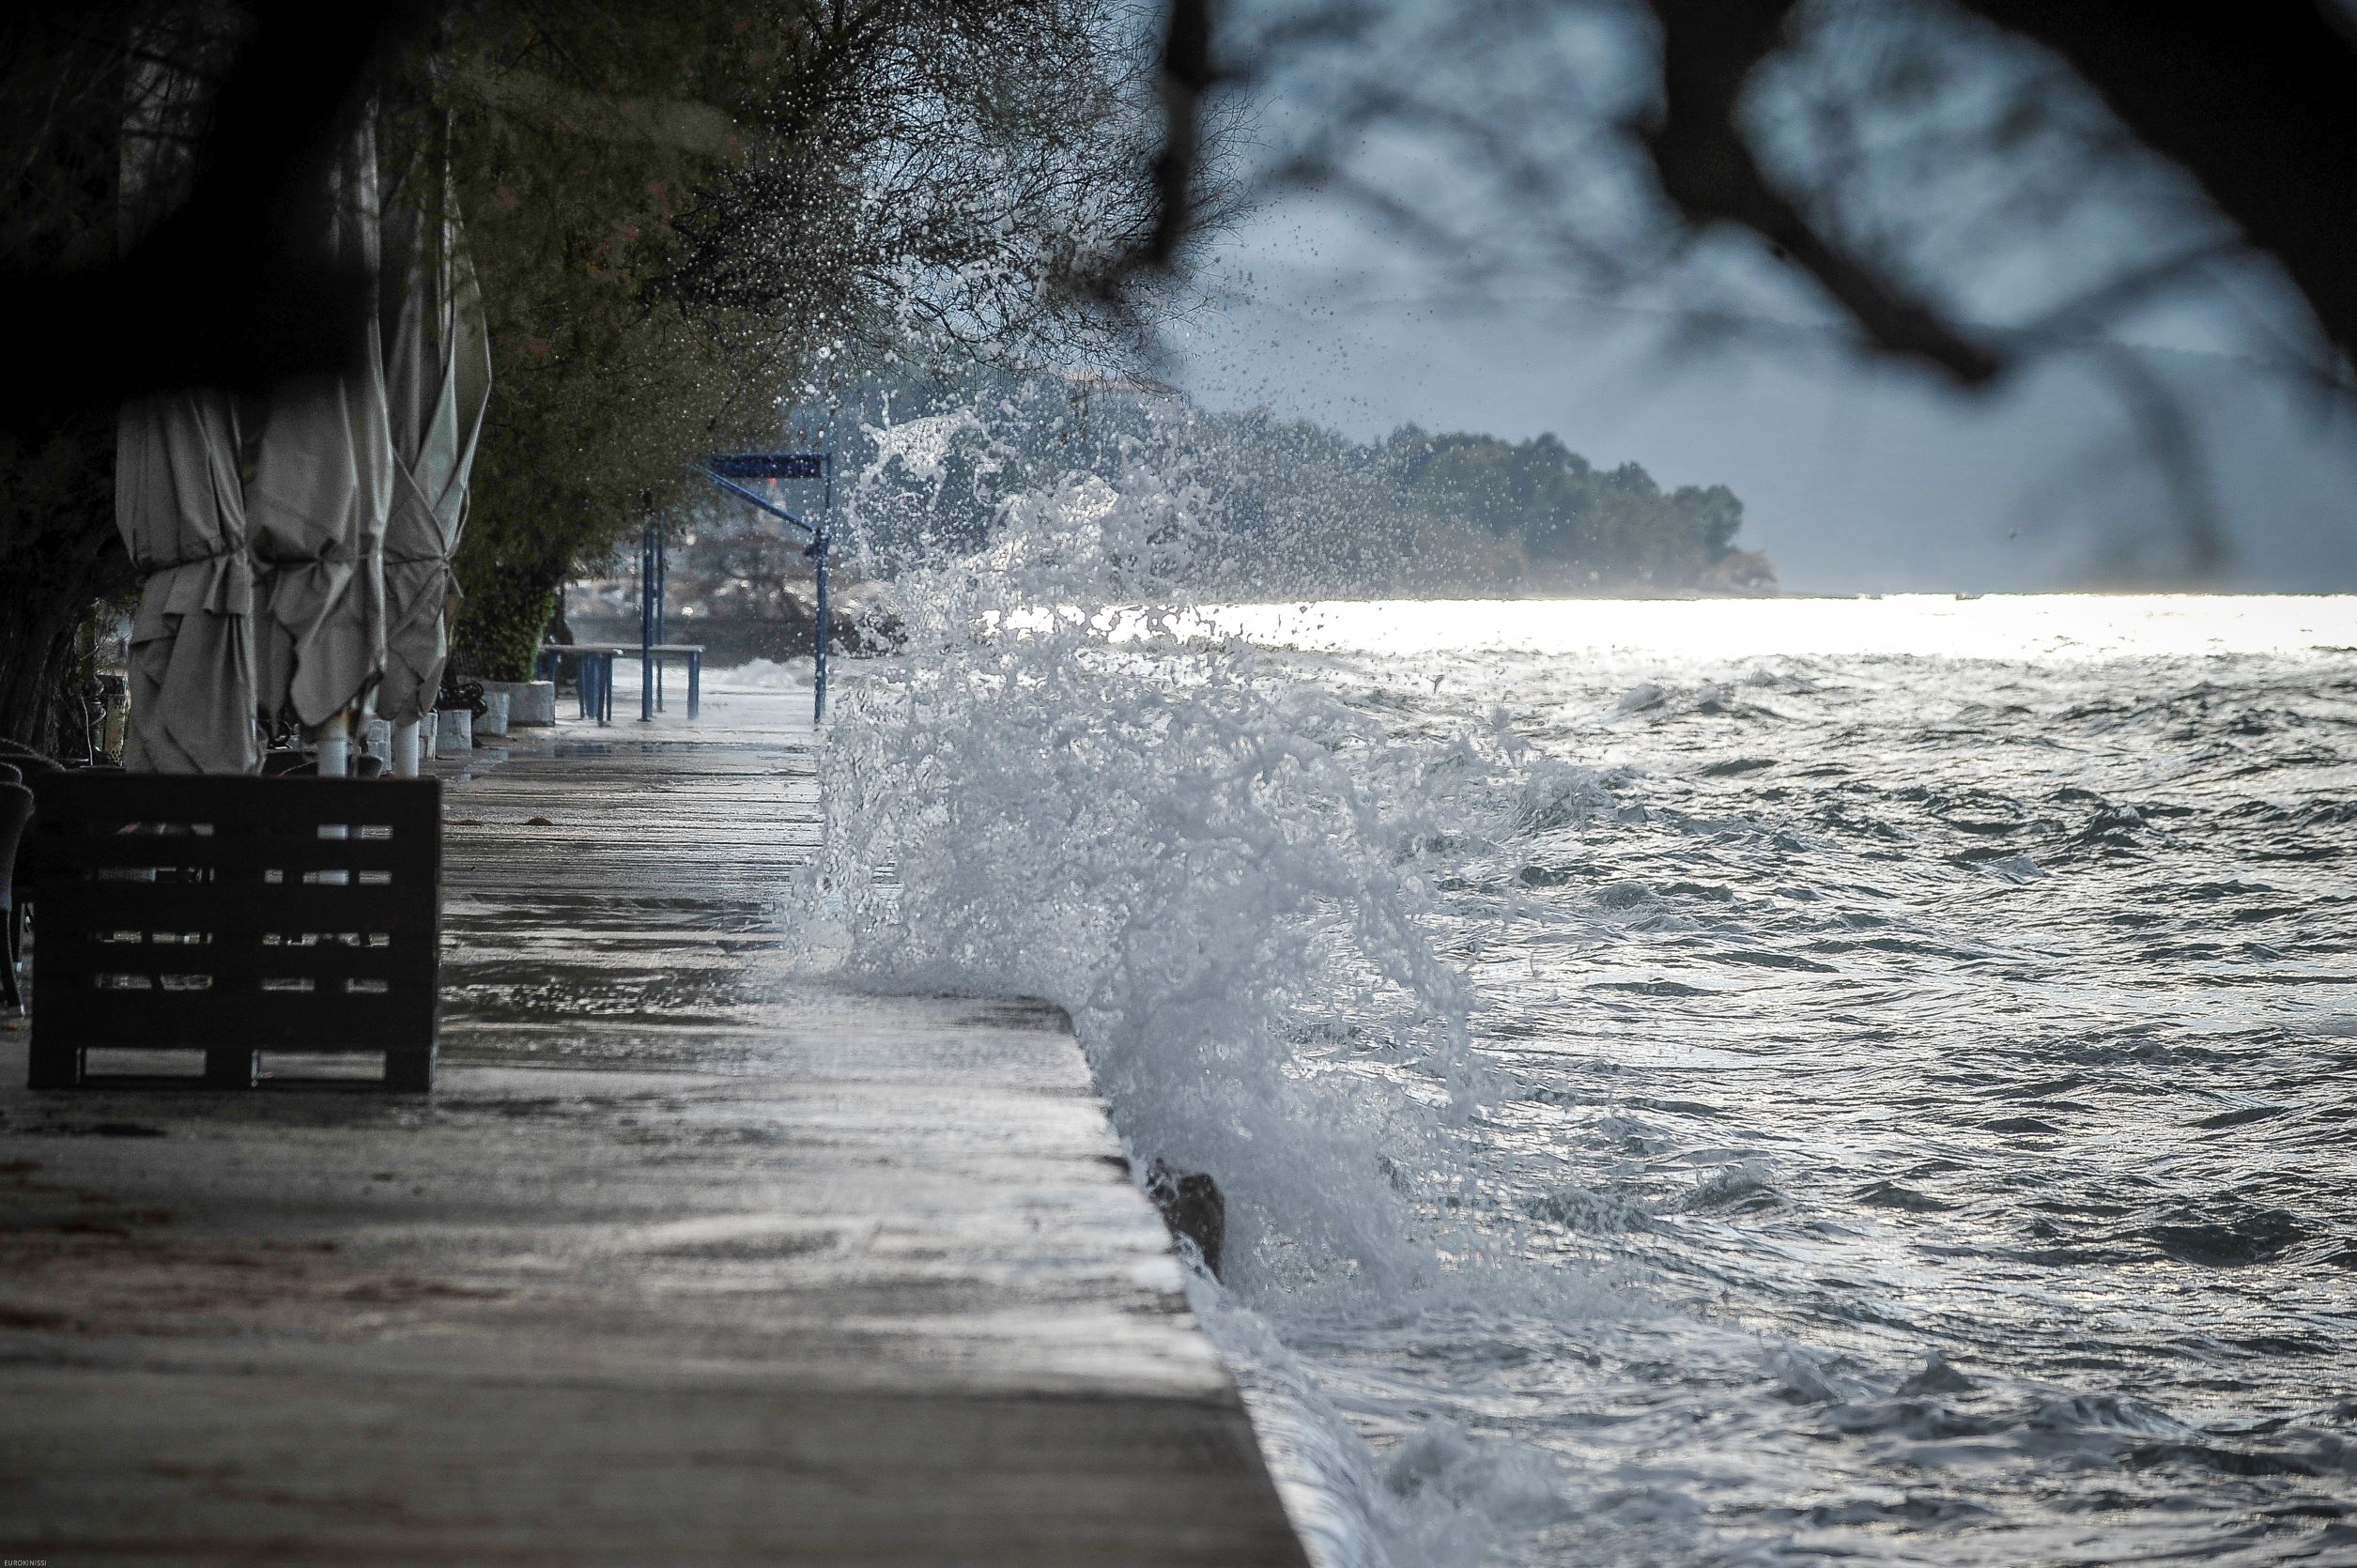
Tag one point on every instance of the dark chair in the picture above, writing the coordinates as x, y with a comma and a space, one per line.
31, 767
24, 756
16, 810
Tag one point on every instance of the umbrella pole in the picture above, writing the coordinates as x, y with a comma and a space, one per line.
335, 761
404, 749
335, 746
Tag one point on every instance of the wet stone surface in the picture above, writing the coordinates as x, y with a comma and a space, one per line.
689, 1256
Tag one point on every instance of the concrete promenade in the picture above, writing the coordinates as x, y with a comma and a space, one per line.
688, 1260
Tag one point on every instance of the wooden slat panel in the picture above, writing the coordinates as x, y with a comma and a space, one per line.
326, 1021
394, 964
391, 962
272, 806
402, 908
71, 957
107, 949
63, 855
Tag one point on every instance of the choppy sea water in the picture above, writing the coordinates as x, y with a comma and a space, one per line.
1699, 1083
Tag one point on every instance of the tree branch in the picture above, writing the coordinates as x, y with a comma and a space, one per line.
235, 289
1709, 49
2258, 104
1187, 75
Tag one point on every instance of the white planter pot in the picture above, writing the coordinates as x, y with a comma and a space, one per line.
493, 719
453, 731
528, 702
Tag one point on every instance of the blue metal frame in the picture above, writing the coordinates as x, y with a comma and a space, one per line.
652, 560
725, 468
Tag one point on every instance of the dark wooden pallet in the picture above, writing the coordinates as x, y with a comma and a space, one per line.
235, 915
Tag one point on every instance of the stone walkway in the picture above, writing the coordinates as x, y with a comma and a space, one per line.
688, 1260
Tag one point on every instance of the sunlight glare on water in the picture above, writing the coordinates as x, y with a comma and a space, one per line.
2043, 627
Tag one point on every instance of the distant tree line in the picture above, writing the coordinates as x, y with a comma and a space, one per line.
1562, 513
1259, 506
1307, 509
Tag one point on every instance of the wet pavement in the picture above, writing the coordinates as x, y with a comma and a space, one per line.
688, 1258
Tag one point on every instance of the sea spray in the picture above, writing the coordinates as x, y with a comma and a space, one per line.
1217, 871
1146, 830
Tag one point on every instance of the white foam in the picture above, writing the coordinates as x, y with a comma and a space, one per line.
1202, 862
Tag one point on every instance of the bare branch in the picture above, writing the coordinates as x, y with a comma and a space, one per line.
2173, 442
1706, 168
2258, 103
233, 288
1187, 75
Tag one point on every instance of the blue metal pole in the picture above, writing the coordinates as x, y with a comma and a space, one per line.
818, 537
818, 682
721, 466
646, 625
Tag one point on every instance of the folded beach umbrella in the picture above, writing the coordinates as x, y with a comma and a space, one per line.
438, 378
316, 501
182, 517
178, 502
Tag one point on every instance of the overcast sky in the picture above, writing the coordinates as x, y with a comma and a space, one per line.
1857, 476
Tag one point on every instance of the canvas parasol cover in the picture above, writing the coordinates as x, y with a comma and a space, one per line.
179, 503
317, 499
438, 377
